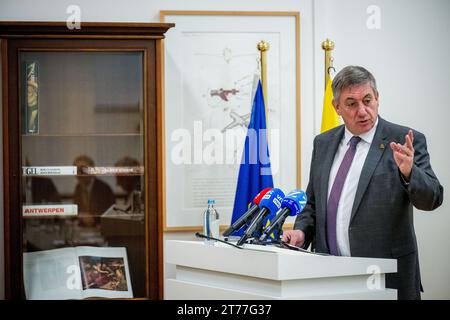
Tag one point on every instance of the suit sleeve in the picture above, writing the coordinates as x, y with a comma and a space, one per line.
424, 190
306, 221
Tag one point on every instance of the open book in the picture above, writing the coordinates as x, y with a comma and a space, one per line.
77, 273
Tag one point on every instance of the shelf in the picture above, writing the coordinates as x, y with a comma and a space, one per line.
57, 171
84, 135
88, 175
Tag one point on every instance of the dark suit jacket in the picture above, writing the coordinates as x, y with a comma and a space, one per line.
381, 224
43, 190
101, 197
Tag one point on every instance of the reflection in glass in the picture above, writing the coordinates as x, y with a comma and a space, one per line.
92, 195
90, 112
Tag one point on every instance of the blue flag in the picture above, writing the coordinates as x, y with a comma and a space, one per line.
254, 173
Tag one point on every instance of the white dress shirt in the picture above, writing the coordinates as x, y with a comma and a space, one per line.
344, 209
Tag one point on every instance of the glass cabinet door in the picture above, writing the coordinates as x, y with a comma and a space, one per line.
83, 174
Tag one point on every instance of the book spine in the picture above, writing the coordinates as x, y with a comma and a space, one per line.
49, 210
49, 171
112, 170
31, 98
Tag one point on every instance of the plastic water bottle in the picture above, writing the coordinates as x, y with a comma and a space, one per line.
211, 221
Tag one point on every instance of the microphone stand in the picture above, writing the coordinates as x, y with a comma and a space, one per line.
278, 243
200, 235
276, 230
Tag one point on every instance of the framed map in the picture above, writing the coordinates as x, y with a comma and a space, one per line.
210, 63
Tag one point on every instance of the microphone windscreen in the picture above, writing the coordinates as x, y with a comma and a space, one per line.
295, 201
260, 195
272, 200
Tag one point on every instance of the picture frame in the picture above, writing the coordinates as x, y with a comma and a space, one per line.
209, 62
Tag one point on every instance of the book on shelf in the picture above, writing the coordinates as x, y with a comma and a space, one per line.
77, 273
49, 171
50, 210
112, 170
31, 98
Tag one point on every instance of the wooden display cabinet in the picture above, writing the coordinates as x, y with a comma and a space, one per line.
82, 139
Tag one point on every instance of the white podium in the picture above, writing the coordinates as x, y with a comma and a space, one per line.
220, 271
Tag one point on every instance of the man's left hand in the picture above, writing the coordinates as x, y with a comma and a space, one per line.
404, 155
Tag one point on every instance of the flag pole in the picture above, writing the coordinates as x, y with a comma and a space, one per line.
263, 47
330, 118
328, 46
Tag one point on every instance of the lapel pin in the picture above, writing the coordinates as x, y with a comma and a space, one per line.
382, 146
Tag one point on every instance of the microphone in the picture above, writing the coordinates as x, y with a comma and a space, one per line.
292, 205
248, 215
270, 202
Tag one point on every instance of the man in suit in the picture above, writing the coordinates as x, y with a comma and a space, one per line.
365, 178
93, 196
130, 184
40, 190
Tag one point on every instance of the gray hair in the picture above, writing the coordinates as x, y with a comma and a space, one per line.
352, 76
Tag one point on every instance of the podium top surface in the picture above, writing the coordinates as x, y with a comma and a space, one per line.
270, 262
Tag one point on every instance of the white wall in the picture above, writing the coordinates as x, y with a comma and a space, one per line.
406, 56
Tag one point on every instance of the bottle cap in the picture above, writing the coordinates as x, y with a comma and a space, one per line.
210, 201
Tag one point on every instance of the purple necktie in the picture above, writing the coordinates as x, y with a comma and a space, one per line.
335, 194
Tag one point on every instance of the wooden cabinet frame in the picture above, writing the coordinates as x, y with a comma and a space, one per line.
55, 36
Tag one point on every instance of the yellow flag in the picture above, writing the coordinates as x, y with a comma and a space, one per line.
330, 118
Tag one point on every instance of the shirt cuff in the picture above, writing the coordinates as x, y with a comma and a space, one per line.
404, 182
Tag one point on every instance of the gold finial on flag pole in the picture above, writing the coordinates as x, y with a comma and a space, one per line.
328, 46
263, 47
330, 119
